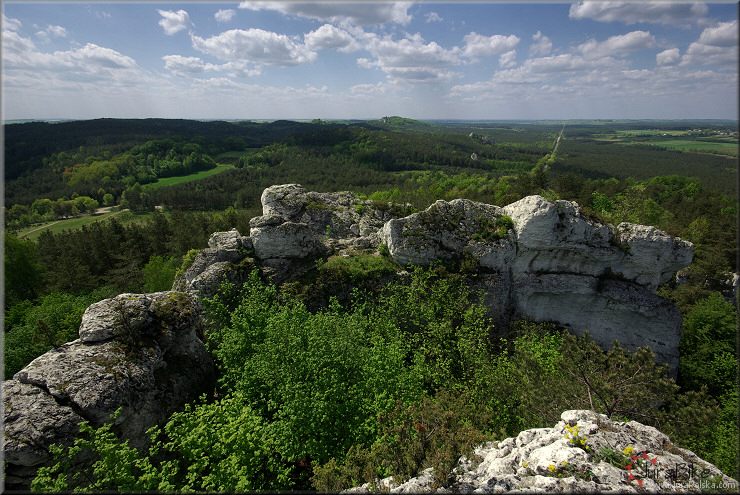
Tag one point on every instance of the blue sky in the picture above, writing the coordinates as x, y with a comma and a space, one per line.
431, 60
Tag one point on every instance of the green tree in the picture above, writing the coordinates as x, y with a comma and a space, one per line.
707, 348
159, 273
223, 446
23, 275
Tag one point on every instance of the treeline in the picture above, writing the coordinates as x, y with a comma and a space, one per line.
603, 160
26, 145
37, 153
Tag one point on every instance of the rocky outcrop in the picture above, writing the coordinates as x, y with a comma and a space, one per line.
298, 224
584, 453
140, 352
538, 259
225, 258
556, 264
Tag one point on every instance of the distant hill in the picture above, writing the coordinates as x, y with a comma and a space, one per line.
396, 123
26, 144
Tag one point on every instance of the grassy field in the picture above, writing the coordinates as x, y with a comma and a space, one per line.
695, 145
33, 233
171, 181
650, 132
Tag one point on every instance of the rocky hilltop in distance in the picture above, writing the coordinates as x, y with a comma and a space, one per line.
585, 452
535, 258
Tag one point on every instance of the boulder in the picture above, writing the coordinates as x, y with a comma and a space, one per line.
138, 352
553, 263
446, 229
225, 258
585, 452
298, 224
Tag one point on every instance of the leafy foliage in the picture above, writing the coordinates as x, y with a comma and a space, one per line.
353, 390
31, 330
223, 446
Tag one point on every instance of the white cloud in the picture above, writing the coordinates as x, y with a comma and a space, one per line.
717, 45
433, 17
668, 57
183, 66
370, 89
180, 64
477, 45
88, 64
52, 31
172, 22
541, 46
634, 12
411, 59
508, 59
10, 24
328, 36
620, 45
358, 14
724, 34
15, 45
92, 54
224, 15
256, 46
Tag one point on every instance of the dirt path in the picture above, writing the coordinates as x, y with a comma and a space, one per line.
42, 227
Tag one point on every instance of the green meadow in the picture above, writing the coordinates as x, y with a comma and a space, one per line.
124, 216
171, 181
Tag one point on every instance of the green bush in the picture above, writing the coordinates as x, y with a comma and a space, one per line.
159, 273
321, 378
429, 433
707, 347
34, 330
223, 446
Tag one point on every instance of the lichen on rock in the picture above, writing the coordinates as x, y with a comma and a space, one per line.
585, 452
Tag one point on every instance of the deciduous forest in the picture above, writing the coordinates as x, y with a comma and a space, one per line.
333, 397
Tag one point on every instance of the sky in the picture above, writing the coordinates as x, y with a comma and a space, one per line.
349, 60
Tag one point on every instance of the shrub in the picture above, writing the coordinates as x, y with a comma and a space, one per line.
321, 378
224, 446
432, 433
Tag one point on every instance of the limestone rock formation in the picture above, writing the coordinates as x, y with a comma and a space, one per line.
584, 452
557, 265
136, 351
226, 257
540, 259
537, 258
446, 229
297, 224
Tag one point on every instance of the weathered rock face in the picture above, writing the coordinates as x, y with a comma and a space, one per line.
558, 266
446, 229
136, 351
297, 224
542, 260
225, 258
556, 460
538, 259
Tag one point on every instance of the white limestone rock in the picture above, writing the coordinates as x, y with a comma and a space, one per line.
286, 240
545, 460
225, 258
445, 230
142, 353
298, 224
